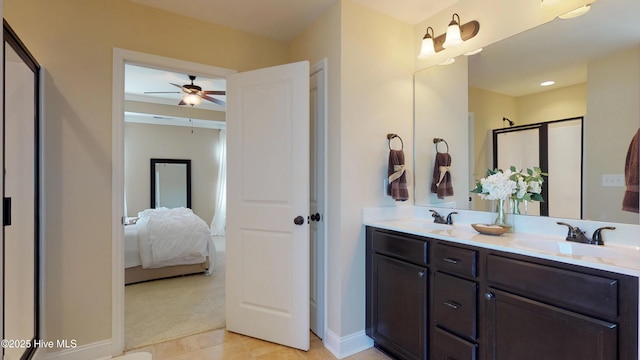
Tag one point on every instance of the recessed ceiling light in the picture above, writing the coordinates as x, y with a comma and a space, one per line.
577, 12
473, 52
448, 61
547, 83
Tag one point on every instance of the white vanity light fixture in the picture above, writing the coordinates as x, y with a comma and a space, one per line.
576, 12
455, 35
192, 99
428, 48
547, 83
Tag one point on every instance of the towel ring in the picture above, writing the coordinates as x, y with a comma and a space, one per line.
439, 140
392, 136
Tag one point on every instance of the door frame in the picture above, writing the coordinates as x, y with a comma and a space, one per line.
322, 65
120, 57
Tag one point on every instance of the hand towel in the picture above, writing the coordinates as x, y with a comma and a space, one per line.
397, 187
631, 174
441, 183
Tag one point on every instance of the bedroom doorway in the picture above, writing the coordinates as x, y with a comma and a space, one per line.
122, 57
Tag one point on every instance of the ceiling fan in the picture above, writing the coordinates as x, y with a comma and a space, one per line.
193, 94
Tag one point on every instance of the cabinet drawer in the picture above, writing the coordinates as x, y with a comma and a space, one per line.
455, 260
401, 247
447, 346
455, 305
575, 291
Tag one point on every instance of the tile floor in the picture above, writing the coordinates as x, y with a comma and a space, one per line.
221, 344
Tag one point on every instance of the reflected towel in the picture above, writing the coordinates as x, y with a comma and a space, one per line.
441, 183
631, 174
397, 187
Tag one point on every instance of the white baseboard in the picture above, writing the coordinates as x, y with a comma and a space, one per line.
342, 347
95, 351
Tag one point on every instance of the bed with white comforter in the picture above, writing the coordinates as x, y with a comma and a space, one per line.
167, 242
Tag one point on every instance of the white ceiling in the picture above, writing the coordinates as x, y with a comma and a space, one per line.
139, 80
558, 50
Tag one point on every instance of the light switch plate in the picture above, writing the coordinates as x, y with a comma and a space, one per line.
613, 180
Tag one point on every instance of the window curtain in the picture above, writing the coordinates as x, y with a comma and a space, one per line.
218, 223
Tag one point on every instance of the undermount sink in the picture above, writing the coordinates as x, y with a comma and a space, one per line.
578, 250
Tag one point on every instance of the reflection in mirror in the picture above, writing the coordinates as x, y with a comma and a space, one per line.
21, 299
597, 77
170, 183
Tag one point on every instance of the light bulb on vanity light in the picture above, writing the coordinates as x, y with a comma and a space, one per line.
428, 48
453, 37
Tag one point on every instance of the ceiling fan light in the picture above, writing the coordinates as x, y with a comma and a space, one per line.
428, 48
453, 37
192, 99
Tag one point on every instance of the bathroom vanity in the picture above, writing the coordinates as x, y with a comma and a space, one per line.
438, 291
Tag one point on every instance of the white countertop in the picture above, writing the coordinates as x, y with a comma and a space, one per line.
547, 243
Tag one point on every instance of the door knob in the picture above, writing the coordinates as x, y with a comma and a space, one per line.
299, 220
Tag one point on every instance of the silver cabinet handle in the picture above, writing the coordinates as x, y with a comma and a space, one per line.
489, 296
421, 274
452, 304
451, 260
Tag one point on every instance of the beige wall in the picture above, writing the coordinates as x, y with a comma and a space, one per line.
145, 141
74, 41
613, 117
370, 61
376, 99
562, 103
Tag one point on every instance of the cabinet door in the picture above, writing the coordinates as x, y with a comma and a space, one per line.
523, 329
399, 307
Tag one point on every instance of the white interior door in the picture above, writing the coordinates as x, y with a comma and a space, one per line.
267, 274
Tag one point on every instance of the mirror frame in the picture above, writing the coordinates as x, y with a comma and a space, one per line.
11, 39
153, 178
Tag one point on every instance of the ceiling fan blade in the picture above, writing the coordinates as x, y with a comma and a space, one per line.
214, 92
181, 87
213, 100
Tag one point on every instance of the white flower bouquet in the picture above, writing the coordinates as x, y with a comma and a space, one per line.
505, 184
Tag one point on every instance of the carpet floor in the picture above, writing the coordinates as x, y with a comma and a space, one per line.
168, 309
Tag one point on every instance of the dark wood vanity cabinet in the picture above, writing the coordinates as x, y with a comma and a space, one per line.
475, 303
397, 284
551, 311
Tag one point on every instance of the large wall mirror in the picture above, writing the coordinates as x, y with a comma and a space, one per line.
170, 183
21, 192
594, 60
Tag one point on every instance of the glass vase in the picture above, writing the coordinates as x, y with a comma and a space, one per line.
515, 203
501, 218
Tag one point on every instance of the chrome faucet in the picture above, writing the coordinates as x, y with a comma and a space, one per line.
439, 219
579, 236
